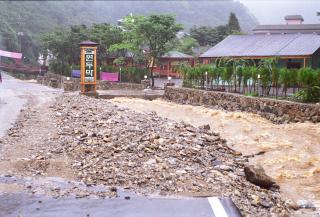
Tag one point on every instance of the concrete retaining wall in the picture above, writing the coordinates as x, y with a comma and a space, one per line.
277, 111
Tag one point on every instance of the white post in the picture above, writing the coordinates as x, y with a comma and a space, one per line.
259, 84
206, 80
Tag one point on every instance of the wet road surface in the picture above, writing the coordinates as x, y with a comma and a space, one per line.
138, 207
21, 203
14, 94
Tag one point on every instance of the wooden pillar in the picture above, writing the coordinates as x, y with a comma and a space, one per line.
304, 62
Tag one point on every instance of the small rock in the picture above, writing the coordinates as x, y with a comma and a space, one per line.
305, 204
265, 204
216, 163
223, 167
205, 127
292, 205
127, 197
113, 189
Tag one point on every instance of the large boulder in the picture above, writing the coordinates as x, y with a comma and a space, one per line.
256, 175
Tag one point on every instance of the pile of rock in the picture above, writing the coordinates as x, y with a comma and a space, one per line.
148, 154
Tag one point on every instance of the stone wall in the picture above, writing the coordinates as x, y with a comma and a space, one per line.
73, 84
278, 111
107, 85
58, 81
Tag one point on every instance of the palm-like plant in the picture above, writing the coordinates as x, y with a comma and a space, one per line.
308, 78
247, 75
270, 65
284, 78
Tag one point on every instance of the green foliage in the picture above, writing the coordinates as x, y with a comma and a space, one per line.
265, 76
233, 24
247, 75
285, 78
37, 17
119, 61
62, 68
310, 95
227, 74
250, 78
210, 36
309, 80
307, 77
253, 94
133, 74
147, 37
187, 44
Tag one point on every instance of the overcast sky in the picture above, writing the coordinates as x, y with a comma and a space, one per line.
273, 11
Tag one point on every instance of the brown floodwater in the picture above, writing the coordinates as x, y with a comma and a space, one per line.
292, 151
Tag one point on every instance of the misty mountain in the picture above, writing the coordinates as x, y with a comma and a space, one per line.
34, 17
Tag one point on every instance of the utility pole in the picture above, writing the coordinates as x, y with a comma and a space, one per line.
20, 23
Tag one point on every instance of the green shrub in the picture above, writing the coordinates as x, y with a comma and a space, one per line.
254, 94
313, 95
60, 68
285, 78
309, 79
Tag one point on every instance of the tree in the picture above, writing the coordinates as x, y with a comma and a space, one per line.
233, 24
106, 35
156, 31
205, 35
131, 41
209, 36
187, 44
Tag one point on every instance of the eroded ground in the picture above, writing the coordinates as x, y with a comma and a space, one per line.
92, 141
291, 151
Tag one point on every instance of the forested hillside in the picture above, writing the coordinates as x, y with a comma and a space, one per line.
22, 21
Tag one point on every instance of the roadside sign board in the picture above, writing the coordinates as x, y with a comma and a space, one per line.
88, 79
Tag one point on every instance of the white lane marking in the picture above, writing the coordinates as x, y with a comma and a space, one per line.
217, 207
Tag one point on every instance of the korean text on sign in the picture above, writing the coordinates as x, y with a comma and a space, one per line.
89, 65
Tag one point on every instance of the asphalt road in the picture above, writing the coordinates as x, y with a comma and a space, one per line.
16, 205
14, 94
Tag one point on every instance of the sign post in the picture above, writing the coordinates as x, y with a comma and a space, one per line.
88, 57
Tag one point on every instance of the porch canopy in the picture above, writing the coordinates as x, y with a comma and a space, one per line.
284, 46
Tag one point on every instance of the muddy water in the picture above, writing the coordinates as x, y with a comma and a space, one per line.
292, 151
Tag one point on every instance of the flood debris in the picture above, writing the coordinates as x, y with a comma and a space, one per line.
152, 155
106, 145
